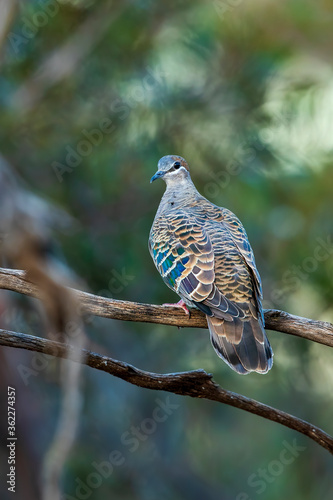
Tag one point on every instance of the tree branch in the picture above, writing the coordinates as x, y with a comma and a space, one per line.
197, 384
317, 331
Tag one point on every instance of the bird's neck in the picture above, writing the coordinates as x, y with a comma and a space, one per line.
178, 196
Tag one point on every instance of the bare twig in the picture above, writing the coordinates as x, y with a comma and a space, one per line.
25, 239
65, 434
197, 384
317, 331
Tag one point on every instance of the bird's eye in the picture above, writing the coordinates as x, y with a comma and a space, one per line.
176, 165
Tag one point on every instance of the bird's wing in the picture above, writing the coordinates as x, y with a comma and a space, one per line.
241, 341
235, 228
184, 256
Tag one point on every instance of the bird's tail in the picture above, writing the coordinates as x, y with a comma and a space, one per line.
243, 345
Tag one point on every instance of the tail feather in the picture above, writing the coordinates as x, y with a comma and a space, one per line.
243, 345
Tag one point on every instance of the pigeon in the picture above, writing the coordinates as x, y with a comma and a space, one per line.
203, 254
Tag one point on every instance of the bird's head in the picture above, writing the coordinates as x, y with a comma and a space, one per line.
172, 169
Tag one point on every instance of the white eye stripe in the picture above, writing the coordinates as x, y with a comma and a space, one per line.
173, 172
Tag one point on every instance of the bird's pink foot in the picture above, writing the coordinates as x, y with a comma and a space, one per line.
180, 304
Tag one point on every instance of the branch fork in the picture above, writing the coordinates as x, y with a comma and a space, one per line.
197, 383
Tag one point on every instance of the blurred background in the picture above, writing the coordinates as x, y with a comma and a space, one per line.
92, 94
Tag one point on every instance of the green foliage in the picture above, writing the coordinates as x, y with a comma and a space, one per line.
244, 91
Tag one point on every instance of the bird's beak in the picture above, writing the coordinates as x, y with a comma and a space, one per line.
158, 174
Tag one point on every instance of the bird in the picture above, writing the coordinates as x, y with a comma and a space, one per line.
203, 254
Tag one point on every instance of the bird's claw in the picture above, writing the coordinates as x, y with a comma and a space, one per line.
180, 304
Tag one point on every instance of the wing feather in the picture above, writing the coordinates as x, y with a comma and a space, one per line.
234, 226
184, 256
